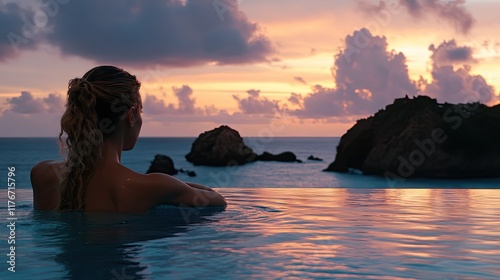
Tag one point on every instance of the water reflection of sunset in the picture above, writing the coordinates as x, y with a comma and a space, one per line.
292, 233
320, 228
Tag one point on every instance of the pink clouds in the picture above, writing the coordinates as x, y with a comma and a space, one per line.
296, 99
186, 106
26, 115
185, 103
367, 76
449, 53
459, 86
451, 78
256, 104
154, 106
27, 104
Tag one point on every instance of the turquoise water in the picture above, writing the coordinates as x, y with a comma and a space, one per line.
271, 233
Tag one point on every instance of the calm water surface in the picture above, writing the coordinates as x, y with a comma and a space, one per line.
271, 233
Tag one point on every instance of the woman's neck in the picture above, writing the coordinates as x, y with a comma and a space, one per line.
112, 149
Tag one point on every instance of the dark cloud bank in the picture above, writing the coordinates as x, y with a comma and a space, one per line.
139, 33
12, 22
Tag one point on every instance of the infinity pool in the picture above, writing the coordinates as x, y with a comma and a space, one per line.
270, 234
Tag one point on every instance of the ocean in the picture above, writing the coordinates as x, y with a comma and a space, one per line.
283, 221
23, 153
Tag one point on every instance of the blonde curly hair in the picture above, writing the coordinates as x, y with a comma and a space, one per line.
95, 104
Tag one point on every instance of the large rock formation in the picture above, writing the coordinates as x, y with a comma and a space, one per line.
220, 147
421, 138
162, 164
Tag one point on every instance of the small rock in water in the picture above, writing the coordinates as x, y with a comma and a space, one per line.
283, 157
162, 164
311, 157
188, 172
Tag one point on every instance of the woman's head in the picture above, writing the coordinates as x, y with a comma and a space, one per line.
104, 103
99, 100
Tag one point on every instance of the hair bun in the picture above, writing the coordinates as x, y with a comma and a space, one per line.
78, 84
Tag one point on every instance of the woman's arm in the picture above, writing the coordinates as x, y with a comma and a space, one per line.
199, 186
170, 190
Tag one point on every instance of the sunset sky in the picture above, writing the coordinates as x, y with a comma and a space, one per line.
265, 68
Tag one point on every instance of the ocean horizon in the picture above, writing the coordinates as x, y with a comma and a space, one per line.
24, 152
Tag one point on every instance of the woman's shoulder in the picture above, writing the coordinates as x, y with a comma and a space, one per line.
48, 162
137, 192
46, 167
46, 171
45, 177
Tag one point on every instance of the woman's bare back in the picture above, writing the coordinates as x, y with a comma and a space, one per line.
115, 188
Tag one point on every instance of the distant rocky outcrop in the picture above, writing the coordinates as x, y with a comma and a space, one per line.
162, 164
282, 157
220, 147
419, 137
188, 172
311, 157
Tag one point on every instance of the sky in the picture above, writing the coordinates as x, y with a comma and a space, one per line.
265, 68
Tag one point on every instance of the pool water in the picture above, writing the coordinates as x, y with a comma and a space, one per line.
269, 233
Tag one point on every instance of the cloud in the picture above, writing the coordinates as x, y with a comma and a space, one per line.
186, 102
452, 11
54, 103
300, 80
172, 32
186, 110
27, 104
370, 8
26, 116
255, 104
14, 26
455, 84
367, 76
448, 53
296, 99
185, 106
155, 106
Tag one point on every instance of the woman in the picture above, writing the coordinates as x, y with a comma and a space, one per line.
102, 119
